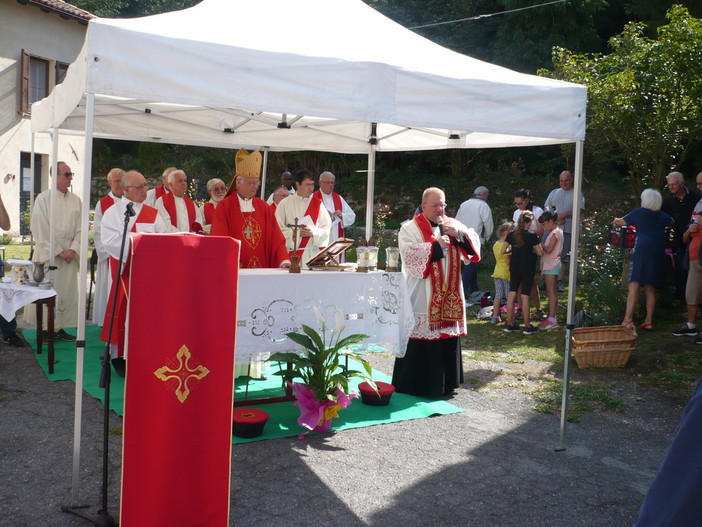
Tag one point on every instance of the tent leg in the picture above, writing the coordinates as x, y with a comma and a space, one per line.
370, 199
572, 283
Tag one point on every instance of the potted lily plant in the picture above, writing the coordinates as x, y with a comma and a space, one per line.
320, 375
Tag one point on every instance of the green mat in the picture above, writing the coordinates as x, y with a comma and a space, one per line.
283, 416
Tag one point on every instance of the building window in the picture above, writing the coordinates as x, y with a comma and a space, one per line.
26, 187
35, 80
61, 69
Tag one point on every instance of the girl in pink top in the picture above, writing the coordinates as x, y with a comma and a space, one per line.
551, 264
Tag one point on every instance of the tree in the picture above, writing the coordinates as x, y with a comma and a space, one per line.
645, 97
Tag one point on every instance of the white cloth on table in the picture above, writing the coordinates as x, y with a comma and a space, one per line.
375, 304
67, 229
15, 297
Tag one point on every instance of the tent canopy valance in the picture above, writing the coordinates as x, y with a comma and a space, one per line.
310, 75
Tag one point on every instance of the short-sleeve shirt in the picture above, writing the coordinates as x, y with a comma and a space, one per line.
538, 211
563, 201
523, 259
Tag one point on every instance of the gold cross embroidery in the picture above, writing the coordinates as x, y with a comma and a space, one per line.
182, 374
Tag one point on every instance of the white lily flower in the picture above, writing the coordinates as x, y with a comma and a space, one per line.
339, 321
320, 319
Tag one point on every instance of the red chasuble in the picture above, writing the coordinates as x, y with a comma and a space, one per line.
106, 203
262, 242
179, 388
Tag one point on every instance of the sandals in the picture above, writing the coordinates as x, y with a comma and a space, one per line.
628, 324
645, 327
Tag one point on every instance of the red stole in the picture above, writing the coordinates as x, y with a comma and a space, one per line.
146, 215
337, 206
106, 203
313, 212
445, 304
209, 211
169, 204
161, 191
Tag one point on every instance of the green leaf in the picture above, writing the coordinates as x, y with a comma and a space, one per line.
314, 336
303, 341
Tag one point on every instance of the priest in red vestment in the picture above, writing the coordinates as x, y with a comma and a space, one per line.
145, 219
249, 219
217, 190
177, 209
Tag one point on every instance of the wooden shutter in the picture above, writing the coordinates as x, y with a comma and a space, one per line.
24, 83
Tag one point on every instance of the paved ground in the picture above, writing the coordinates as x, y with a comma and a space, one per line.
493, 465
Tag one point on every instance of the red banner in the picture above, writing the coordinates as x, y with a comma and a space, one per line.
179, 388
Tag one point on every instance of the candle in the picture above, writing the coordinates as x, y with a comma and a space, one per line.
373, 257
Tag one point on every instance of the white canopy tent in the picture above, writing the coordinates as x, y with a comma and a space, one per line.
304, 75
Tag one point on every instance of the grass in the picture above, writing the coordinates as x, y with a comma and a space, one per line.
495, 360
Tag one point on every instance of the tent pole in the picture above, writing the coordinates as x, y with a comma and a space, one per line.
82, 274
572, 283
370, 193
265, 172
53, 184
31, 188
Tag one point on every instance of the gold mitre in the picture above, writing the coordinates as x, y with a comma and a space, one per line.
248, 165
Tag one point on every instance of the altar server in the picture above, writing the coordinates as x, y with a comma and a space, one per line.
310, 213
104, 278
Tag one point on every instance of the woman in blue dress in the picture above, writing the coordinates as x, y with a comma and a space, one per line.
648, 260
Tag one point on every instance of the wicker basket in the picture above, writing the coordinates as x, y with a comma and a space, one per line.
603, 347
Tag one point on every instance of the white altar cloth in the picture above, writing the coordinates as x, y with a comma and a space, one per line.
273, 302
15, 297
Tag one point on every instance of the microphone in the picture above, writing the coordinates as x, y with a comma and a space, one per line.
130, 210
440, 222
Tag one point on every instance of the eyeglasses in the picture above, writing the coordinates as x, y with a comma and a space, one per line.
219, 189
68, 174
517, 203
137, 187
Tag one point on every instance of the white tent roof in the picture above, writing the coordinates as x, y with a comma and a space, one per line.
303, 74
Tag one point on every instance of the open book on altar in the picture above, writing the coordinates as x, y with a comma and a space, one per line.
328, 259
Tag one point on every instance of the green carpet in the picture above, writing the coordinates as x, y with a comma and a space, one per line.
283, 416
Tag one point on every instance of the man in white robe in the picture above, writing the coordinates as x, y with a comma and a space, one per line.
104, 278
341, 214
146, 219
310, 212
66, 218
432, 247
177, 209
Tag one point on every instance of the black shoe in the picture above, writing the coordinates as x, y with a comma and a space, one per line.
62, 335
510, 329
120, 366
14, 340
685, 330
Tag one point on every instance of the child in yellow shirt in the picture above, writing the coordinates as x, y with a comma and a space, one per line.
501, 272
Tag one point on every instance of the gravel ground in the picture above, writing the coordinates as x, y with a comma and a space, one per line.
493, 465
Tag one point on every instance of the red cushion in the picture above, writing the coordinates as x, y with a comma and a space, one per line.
250, 416
384, 388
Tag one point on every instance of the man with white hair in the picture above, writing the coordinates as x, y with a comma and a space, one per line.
176, 208
679, 205
104, 278
155, 193
341, 214
475, 214
217, 190
146, 219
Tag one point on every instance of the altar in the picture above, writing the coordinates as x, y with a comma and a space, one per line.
273, 302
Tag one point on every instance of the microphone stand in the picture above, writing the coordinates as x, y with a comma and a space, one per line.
104, 519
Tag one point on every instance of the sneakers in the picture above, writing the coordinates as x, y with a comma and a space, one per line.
62, 335
511, 329
14, 340
530, 330
548, 323
559, 288
494, 320
698, 340
685, 330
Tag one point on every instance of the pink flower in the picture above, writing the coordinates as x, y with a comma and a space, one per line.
314, 413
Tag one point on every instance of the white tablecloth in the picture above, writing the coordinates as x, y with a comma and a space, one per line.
15, 297
273, 302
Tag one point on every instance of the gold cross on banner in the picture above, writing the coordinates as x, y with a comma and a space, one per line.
183, 374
